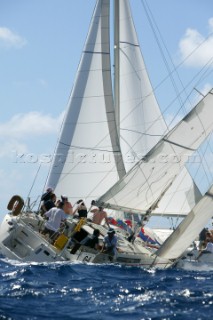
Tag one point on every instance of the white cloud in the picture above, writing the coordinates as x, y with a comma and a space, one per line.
10, 39
195, 49
8, 148
30, 124
17, 134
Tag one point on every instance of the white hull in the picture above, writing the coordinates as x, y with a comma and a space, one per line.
193, 259
20, 239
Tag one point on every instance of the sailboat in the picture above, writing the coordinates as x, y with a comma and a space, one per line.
106, 124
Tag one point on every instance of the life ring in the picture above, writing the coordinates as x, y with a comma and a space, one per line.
15, 205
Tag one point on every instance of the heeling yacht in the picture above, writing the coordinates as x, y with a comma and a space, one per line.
106, 120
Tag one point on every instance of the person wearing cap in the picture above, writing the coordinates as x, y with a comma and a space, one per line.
49, 204
110, 243
99, 215
46, 196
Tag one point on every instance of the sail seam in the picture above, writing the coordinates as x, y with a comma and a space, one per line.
96, 52
131, 44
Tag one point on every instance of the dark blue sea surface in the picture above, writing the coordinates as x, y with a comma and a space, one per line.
80, 291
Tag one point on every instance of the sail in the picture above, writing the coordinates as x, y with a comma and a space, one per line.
142, 187
87, 160
188, 229
180, 198
141, 121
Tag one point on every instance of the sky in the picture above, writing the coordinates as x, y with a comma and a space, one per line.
40, 47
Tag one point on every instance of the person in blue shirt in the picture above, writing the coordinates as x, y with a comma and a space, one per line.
110, 243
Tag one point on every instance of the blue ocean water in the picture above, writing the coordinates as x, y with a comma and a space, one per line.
80, 291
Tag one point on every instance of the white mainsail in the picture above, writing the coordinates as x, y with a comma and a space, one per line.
141, 121
88, 159
143, 185
188, 229
84, 165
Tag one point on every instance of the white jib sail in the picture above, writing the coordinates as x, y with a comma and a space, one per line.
141, 122
84, 165
146, 181
180, 198
188, 229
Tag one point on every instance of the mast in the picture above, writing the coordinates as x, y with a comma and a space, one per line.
117, 63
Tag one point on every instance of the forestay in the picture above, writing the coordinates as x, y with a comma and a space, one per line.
188, 229
143, 185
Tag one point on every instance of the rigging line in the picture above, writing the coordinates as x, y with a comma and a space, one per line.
205, 162
181, 100
138, 105
139, 167
172, 194
200, 121
86, 148
209, 145
70, 171
208, 64
183, 61
136, 171
178, 145
186, 58
165, 188
113, 168
168, 53
34, 180
201, 163
189, 83
178, 97
89, 122
142, 133
146, 179
160, 48
58, 139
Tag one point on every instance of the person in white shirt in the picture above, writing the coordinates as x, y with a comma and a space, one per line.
55, 217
